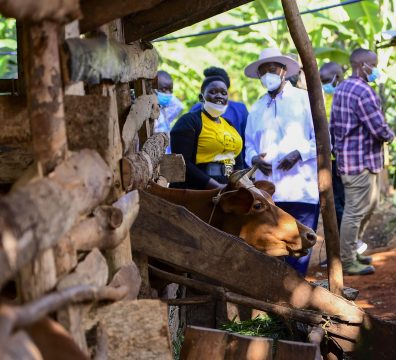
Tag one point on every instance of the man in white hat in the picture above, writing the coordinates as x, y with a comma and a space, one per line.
280, 140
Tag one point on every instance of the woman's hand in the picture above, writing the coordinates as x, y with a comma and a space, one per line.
265, 168
289, 160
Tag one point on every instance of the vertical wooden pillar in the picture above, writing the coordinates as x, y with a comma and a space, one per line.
47, 122
304, 47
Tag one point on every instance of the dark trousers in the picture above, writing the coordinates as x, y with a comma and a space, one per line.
307, 214
338, 191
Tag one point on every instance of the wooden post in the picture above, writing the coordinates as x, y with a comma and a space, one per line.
304, 47
47, 123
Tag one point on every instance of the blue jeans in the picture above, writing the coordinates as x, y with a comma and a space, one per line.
307, 214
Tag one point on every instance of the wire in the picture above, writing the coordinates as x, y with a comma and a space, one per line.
8, 52
234, 27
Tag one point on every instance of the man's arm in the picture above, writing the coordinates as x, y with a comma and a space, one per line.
370, 114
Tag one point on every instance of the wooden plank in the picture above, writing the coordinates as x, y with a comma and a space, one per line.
248, 347
171, 233
203, 343
94, 60
136, 329
169, 16
98, 12
173, 168
39, 10
291, 350
35, 217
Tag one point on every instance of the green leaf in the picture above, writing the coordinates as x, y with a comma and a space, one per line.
8, 43
334, 54
201, 40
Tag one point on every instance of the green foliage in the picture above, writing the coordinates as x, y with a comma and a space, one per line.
8, 63
334, 33
264, 325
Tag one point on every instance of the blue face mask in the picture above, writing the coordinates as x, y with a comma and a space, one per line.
375, 73
329, 88
164, 99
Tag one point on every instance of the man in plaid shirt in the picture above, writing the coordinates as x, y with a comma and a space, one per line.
358, 130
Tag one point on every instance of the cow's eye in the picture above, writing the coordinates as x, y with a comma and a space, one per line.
258, 206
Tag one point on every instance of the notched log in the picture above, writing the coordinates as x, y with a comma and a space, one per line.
35, 217
39, 10
138, 169
93, 60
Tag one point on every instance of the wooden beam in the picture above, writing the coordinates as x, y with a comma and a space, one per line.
304, 47
98, 12
170, 233
39, 10
169, 16
93, 60
35, 217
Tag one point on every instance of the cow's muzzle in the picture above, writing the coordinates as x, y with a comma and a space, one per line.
308, 236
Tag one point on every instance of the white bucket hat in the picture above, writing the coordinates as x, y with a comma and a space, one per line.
272, 55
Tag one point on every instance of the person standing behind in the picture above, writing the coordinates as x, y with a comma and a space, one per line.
331, 74
236, 112
280, 140
358, 131
170, 105
210, 145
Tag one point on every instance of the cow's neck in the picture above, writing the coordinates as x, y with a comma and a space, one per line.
199, 202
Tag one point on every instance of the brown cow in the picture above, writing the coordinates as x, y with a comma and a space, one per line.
246, 210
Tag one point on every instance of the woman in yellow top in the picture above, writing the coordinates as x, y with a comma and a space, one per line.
210, 145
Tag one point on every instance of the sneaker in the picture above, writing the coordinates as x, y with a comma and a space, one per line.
356, 268
361, 247
366, 260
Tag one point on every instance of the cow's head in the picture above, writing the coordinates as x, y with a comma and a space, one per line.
261, 223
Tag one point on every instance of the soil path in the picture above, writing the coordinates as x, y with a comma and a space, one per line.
376, 291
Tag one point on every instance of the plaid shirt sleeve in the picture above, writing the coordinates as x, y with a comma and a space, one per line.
370, 113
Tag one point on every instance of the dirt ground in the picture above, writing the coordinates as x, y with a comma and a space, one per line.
376, 291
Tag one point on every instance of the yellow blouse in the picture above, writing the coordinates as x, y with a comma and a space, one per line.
218, 142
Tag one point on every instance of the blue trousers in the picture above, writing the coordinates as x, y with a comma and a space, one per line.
307, 214
338, 191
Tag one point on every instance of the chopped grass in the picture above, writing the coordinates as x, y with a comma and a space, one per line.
264, 325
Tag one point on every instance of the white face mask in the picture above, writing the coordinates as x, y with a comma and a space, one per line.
271, 81
214, 110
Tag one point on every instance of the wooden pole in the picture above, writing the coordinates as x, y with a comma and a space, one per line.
304, 47
47, 123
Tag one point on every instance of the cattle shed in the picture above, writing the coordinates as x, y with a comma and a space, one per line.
77, 227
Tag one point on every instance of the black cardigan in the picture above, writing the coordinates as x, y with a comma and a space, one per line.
184, 140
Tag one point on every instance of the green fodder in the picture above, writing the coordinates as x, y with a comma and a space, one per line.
264, 325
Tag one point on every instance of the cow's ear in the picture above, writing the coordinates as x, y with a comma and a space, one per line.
267, 186
238, 202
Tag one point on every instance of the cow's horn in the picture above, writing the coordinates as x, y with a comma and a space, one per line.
236, 176
251, 171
